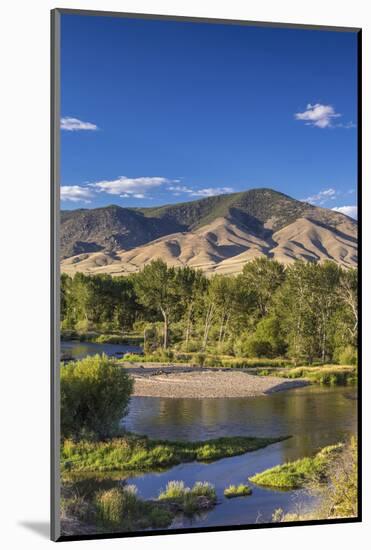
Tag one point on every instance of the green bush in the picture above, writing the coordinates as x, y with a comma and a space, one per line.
109, 339
258, 348
249, 345
346, 355
192, 346
269, 330
95, 393
83, 325
200, 359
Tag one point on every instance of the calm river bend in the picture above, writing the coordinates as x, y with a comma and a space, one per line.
314, 416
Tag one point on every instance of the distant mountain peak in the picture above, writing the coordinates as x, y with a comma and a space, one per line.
257, 216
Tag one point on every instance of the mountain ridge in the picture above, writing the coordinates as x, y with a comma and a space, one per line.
205, 233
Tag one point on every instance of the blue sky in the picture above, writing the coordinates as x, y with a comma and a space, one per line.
155, 112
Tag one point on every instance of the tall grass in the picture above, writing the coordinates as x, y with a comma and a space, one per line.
329, 375
117, 504
237, 491
136, 453
336, 494
293, 475
189, 500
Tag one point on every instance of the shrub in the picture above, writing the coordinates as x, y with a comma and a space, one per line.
237, 491
269, 330
109, 339
76, 506
115, 505
346, 355
83, 325
95, 393
192, 346
253, 346
200, 359
258, 348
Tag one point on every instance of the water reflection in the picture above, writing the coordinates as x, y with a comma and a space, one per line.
313, 416
313, 413
78, 350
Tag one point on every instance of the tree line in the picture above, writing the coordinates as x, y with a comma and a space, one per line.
305, 311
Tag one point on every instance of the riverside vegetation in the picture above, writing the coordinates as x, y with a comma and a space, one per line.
303, 314
297, 474
295, 321
331, 476
234, 491
94, 396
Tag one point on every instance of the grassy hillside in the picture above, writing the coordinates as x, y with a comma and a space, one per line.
113, 228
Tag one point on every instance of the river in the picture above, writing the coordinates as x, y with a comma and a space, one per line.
73, 349
314, 416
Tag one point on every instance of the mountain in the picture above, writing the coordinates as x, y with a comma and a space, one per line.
216, 234
109, 228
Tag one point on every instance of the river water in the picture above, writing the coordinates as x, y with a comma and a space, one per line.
77, 350
313, 416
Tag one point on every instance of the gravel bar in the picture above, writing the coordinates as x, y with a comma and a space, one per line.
207, 384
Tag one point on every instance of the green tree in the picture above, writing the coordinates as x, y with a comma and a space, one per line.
295, 309
157, 288
192, 286
348, 295
269, 330
262, 277
95, 393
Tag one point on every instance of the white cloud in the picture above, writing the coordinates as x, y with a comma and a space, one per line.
322, 196
75, 125
318, 115
178, 189
350, 211
75, 193
129, 187
205, 192
138, 188
211, 191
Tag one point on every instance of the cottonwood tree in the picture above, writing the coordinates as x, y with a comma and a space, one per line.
262, 277
295, 307
192, 286
348, 294
157, 288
